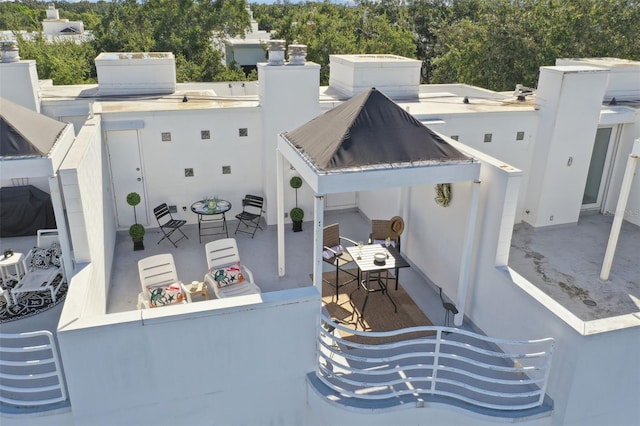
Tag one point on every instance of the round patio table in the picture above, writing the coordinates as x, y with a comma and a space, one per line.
211, 217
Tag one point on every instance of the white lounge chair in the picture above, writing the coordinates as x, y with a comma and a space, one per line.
227, 276
39, 279
160, 284
7, 295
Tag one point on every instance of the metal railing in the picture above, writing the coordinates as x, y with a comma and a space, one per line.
441, 361
30, 370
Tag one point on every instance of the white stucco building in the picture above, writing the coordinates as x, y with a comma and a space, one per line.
544, 160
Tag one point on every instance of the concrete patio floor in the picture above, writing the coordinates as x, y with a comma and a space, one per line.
565, 263
259, 255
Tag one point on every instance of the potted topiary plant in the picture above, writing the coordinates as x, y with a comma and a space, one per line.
136, 231
296, 213
133, 199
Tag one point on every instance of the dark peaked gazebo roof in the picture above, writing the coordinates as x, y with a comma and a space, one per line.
369, 129
24, 132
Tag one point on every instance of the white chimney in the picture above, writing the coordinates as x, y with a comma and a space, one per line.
52, 12
18, 78
276, 52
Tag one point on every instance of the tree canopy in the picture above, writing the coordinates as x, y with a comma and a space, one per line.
490, 43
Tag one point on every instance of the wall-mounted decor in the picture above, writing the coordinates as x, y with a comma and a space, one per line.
443, 194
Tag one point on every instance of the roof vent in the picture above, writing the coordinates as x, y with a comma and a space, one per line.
10, 52
297, 54
276, 52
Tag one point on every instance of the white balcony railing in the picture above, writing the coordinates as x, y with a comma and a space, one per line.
440, 361
30, 370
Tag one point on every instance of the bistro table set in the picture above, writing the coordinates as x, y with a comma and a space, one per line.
211, 217
374, 260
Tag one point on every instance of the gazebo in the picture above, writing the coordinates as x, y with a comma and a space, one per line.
366, 143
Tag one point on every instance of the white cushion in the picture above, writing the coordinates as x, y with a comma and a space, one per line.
335, 251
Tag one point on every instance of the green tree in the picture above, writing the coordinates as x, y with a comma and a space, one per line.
329, 29
19, 17
65, 62
184, 27
124, 27
506, 41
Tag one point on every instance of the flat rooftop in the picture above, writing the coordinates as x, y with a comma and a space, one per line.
565, 263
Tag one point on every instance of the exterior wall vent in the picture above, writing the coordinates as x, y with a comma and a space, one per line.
297, 54
276, 52
10, 52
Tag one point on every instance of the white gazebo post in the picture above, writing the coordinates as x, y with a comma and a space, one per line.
280, 210
625, 189
465, 264
318, 226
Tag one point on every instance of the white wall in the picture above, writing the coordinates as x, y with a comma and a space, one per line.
569, 100
19, 84
380, 203
289, 98
164, 163
245, 54
591, 375
240, 360
503, 127
90, 218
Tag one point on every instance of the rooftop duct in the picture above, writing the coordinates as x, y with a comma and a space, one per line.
10, 52
276, 52
297, 54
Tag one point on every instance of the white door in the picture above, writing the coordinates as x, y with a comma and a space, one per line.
599, 168
126, 176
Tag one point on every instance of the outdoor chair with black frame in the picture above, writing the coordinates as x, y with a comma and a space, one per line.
250, 215
335, 254
391, 229
168, 225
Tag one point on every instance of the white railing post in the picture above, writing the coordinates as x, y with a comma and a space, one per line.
436, 361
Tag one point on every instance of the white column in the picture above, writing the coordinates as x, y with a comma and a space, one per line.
625, 189
318, 225
465, 264
61, 225
280, 211
405, 202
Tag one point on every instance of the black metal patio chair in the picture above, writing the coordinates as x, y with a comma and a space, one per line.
250, 215
168, 225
